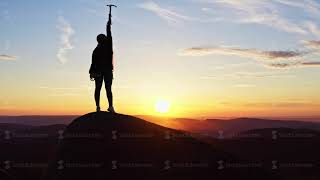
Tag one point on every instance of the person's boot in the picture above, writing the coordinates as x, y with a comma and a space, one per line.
111, 109
98, 109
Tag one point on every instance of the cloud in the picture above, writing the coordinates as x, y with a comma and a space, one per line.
309, 6
170, 16
273, 59
259, 75
264, 12
312, 27
282, 65
295, 64
311, 64
281, 104
67, 32
249, 75
313, 44
272, 13
249, 53
4, 57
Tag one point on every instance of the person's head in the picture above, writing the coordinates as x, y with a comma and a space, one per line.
101, 38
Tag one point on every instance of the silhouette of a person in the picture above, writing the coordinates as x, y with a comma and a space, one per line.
102, 67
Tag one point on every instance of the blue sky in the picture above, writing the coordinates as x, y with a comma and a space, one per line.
216, 50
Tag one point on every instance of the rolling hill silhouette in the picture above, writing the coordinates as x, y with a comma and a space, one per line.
115, 146
103, 145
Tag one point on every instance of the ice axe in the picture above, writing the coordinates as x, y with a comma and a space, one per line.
110, 6
110, 12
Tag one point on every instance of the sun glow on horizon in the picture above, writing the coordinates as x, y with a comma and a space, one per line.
162, 106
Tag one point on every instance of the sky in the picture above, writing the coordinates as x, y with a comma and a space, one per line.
207, 58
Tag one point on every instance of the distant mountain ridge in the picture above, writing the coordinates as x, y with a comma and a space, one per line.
237, 125
37, 120
208, 126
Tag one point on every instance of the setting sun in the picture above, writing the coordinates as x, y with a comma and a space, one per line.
162, 106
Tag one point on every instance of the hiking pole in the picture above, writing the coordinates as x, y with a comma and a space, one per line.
110, 15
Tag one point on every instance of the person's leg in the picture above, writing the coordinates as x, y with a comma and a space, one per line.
108, 78
98, 82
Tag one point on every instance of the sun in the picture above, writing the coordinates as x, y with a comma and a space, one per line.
162, 106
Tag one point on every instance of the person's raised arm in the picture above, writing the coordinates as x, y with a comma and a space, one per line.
109, 35
109, 27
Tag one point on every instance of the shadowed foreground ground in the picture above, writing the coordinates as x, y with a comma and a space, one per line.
114, 146
103, 145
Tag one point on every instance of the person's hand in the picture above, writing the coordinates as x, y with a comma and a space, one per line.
91, 76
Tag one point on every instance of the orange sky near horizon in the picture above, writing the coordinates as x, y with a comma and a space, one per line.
224, 59
179, 107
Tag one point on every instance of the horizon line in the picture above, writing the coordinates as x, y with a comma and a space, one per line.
315, 117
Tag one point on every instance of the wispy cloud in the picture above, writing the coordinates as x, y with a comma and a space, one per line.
312, 27
67, 32
259, 75
282, 65
249, 53
249, 75
315, 64
281, 104
313, 44
264, 12
309, 6
285, 65
170, 16
271, 59
4, 57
